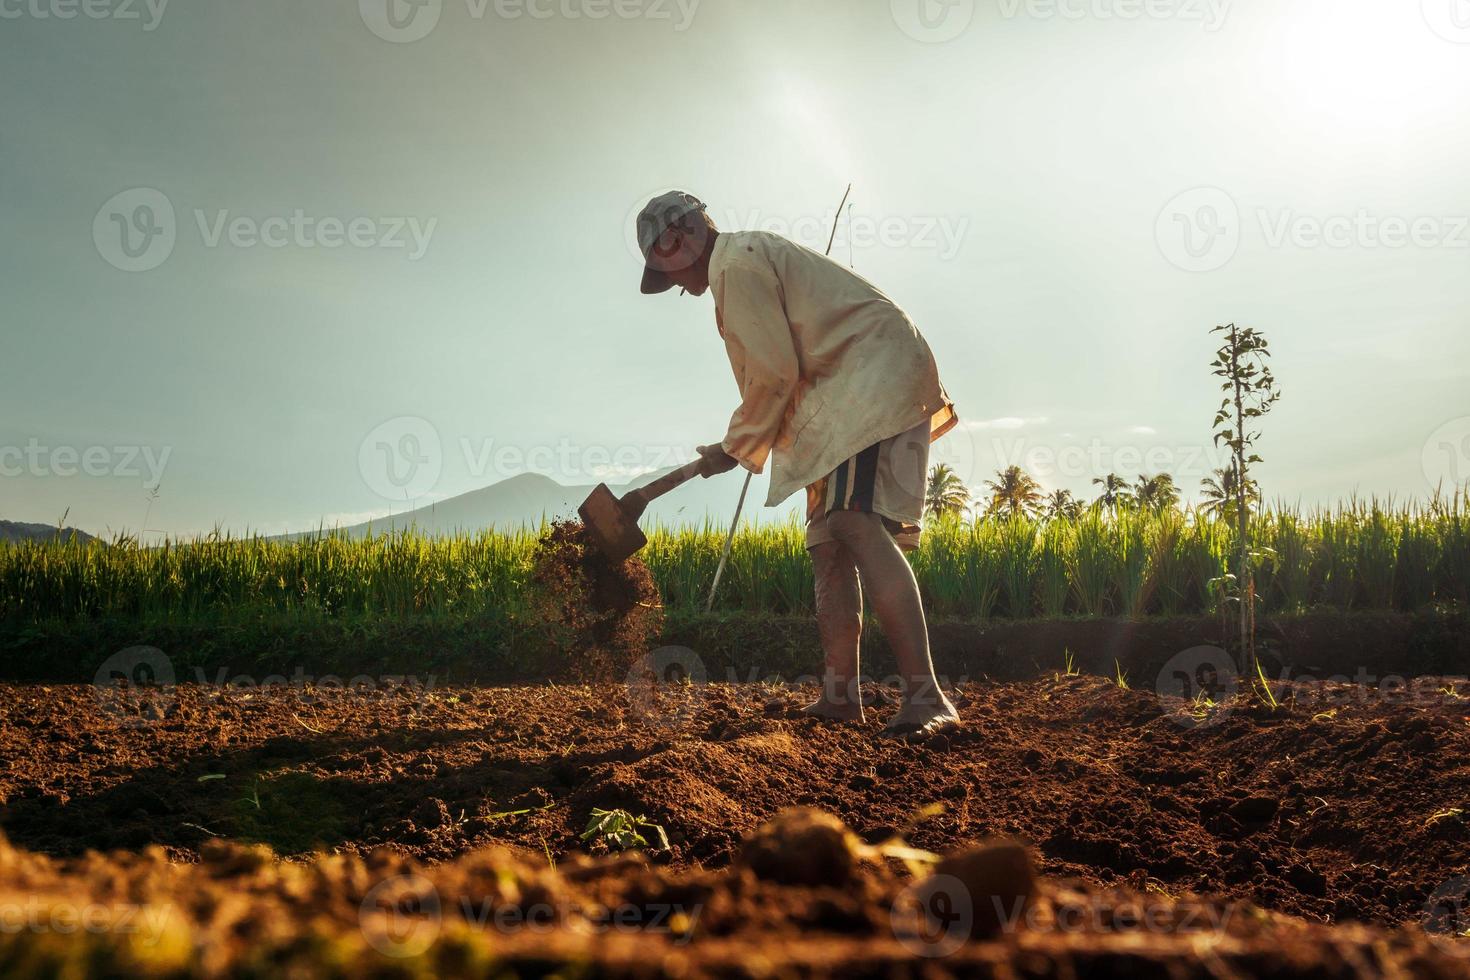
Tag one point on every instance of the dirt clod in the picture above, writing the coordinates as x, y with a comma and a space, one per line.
997, 880
802, 846
594, 617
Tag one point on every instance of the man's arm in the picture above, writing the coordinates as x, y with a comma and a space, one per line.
758, 341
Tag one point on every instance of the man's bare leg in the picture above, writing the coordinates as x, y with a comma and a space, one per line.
840, 623
894, 594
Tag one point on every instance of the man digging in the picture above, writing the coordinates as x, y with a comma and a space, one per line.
841, 393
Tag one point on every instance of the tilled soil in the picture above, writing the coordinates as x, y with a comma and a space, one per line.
1348, 807
496, 912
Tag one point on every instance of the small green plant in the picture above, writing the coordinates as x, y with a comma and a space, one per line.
1202, 705
1250, 394
254, 796
1120, 676
1069, 664
621, 830
1263, 685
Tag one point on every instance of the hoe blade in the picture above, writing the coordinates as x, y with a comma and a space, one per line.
614, 532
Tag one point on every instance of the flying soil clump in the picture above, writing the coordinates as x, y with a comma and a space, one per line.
594, 617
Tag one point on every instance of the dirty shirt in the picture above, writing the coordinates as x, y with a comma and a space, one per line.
826, 364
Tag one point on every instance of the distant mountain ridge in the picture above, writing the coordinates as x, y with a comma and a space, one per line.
530, 498
523, 501
15, 532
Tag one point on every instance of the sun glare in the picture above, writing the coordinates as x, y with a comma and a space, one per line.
1364, 67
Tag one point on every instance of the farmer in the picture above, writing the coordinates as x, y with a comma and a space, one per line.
841, 394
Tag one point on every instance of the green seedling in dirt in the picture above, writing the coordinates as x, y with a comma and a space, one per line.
211, 776
1453, 813
1263, 685
1120, 677
1069, 664
508, 814
254, 796
1202, 706
1450, 692
1325, 715
621, 830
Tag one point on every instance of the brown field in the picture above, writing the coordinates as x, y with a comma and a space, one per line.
1322, 834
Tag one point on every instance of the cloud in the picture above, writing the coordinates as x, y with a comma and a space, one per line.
1010, 422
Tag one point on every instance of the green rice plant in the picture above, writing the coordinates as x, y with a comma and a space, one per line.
1285, 576
1134, 542
1262, 684
1170, 569
1053, 559
1093, 565
1120, 676
1069, 663
1334, 571
1418, 562
1376, 562
958, 568
1016, 545
1204, 550
1376, 556
1452, 521
683, 561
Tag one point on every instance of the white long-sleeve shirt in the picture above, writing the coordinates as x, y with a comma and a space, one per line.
826, 364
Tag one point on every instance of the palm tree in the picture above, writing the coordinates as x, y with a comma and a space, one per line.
946, 494
1062, 505
1115, 491
1156, 493
1219, 491
1015, 492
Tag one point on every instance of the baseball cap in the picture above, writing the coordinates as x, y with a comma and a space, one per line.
653, 221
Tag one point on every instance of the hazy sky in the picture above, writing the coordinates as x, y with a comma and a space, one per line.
265, 248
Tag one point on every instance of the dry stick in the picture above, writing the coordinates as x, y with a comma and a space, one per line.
730, 538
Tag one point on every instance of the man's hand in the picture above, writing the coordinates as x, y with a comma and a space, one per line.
716, 460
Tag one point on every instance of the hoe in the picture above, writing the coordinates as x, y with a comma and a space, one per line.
613, 521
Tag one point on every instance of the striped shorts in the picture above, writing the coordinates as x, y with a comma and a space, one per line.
886, 479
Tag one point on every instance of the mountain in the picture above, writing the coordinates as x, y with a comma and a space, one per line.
14, 532
529, 498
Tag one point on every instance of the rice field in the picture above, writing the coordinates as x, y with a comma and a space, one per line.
1358, 556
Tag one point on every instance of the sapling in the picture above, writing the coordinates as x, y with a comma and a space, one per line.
1250, 393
